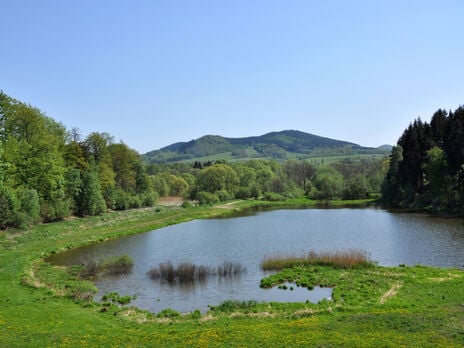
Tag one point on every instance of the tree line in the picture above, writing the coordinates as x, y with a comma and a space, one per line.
48, 173
427, 165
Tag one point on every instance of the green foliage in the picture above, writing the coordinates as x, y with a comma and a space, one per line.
149, 199
114, 297
426, 166
8, 207
90, 200
273, 197
328, 184
121, 200
168, 313
234, 305
356, 187
186, 205
207, 198
29, 212
274, 145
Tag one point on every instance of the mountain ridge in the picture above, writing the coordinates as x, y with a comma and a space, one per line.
279, 145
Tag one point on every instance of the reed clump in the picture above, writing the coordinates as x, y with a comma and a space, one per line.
230, 269
117, 265
350, 258
186, 272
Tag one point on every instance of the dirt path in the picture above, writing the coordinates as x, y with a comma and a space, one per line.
391, 292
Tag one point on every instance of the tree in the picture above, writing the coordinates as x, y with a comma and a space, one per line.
391, 187
216, 178
90, 200
328, 183
436, 173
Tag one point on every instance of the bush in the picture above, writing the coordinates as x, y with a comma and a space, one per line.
223, 195
121, 200
149, 199
273, 197
186, 204
134, 202
243, 192
207, 198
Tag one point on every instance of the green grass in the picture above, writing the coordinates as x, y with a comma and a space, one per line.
50, 306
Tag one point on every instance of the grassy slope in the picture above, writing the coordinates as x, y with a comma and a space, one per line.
427, 309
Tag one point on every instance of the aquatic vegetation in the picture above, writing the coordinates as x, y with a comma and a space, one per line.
350, 258
188, 272
117, 265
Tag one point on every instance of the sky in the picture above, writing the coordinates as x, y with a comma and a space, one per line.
152, 73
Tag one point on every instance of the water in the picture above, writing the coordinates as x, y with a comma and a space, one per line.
390, 239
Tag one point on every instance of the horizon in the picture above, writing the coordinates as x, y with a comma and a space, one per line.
156, 73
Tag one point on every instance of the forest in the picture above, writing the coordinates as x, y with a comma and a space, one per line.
48, 173
426, 167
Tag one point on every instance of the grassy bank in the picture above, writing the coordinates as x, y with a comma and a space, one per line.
417, 306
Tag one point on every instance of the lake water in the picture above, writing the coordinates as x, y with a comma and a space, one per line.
390, 239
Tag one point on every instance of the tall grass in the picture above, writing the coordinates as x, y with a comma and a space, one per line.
117, 265
350, 258
188, 272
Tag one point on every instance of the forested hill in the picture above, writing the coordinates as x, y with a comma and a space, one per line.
286, 144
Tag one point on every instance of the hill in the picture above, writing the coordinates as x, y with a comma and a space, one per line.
287, 144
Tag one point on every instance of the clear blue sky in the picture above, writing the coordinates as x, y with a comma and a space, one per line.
156, 72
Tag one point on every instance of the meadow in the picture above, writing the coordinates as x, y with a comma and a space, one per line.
42, 305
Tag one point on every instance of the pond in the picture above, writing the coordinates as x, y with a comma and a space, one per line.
390, 239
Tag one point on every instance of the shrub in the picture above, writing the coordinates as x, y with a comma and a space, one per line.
223, 195
149, 199
243, 192
134, 202
273, 197
207, 198
121, 200
186, 204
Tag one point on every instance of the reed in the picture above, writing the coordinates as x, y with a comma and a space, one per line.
350, 258
188, 272
117, 265
229, 269
90, 269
